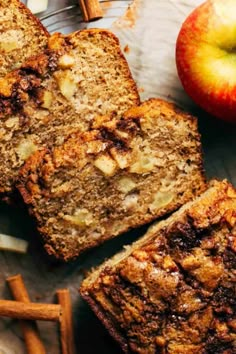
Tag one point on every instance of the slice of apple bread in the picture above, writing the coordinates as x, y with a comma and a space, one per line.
120, 175
21, 35
173, 291
61, 90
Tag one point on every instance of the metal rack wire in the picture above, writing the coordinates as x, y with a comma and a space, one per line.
69, 18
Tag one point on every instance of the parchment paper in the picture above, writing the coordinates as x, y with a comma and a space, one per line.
147, 33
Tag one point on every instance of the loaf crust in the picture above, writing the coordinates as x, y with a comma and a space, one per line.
173, 291
123, 173
60, 91
21, 35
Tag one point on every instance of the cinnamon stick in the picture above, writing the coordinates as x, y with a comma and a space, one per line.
91, 10
30, 311
30, 331
66, 322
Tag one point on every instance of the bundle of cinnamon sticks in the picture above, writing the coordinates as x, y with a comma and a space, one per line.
27, 312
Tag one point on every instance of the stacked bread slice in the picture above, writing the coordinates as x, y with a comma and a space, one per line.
21, 35
58, 92
173, 291
123, 173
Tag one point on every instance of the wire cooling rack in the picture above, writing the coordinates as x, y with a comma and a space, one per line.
65, 15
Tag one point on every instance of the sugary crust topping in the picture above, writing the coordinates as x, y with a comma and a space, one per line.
220, 205
179, 276
164, 108
216, 204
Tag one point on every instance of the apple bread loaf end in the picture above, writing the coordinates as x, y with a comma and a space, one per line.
61, 90
173, 291
122, 174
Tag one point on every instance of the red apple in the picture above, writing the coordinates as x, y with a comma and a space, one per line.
206, 57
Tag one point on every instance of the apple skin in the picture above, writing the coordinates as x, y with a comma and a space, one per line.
206, 57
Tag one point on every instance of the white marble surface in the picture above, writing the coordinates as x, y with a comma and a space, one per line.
150, 34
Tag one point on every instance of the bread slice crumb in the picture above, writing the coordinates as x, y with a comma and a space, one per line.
123, 174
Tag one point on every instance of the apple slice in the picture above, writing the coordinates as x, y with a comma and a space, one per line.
206, 57
37, 6
13, 244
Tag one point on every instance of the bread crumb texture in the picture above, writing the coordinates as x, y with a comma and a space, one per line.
123, 173
173, 291
58, 92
